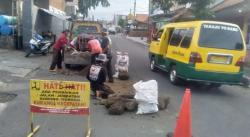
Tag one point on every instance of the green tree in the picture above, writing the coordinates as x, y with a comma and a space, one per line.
86, 5
164, 5
200, 8
121, 23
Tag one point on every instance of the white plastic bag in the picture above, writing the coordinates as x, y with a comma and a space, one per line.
147, 96
146, 91
147, 108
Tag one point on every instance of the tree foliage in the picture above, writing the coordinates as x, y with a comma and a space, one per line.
121, 23
164, 5
86, 5
200, 8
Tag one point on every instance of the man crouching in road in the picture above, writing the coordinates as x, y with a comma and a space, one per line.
58, 51
97, 75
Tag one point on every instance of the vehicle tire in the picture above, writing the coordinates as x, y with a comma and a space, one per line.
173, 76
152, 65
44, 53
68, 66
215, 85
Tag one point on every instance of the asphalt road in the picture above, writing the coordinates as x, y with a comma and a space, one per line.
215, 113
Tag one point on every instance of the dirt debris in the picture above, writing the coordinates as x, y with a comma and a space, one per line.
163, 102
123, 100
117, 108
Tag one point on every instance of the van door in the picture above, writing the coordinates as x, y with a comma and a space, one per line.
175, 52
164, 46
221, 48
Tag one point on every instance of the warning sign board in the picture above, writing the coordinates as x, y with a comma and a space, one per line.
59, 97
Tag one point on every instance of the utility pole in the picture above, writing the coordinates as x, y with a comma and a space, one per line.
134, 8
149, 14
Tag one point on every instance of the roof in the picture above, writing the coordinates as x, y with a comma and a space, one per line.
141, 17
226, 4
54, 14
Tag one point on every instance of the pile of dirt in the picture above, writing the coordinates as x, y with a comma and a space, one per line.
123, 98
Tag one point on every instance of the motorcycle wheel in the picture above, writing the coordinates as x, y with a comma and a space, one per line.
28, 53
44, 53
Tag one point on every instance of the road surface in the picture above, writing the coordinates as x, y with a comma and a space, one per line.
215, 113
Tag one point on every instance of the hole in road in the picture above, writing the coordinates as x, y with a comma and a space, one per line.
7, 97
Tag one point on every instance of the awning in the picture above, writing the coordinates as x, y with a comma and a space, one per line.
54, 14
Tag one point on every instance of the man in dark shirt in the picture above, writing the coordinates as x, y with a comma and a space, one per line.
97, 75
106, 49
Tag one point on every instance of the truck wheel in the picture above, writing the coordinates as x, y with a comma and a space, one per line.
173, 76
152, 64
68, 66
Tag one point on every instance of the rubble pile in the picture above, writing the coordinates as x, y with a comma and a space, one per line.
123, 100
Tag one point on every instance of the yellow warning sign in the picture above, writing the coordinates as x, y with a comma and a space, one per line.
59, 97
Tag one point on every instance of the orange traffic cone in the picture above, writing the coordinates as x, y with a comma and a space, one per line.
183, 126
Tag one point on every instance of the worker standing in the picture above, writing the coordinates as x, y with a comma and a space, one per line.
58, 51
105, 43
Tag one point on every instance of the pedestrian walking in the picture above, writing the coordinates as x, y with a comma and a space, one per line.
95, 49
105, 43
58, 52
97, 75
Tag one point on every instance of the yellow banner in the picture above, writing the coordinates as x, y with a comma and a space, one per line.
60, 97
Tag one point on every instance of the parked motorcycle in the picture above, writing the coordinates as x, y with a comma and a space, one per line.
38, 45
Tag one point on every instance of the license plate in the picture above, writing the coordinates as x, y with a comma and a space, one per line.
219, 59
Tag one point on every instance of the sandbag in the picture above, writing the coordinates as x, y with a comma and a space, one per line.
147, 108
146, 91
147, 96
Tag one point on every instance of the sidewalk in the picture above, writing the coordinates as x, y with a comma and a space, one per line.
14, 63
139, 40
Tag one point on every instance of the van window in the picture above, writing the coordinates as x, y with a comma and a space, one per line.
177, 37
220, 36
187, 38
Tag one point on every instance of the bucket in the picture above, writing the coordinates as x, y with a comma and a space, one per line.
8, 20
7, 30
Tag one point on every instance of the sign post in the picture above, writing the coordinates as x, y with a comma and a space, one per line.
59, 97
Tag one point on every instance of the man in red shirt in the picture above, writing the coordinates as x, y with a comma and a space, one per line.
57, 51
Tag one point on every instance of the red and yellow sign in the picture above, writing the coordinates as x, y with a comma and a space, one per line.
59, 97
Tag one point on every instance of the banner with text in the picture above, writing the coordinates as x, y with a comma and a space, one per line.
59, 97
